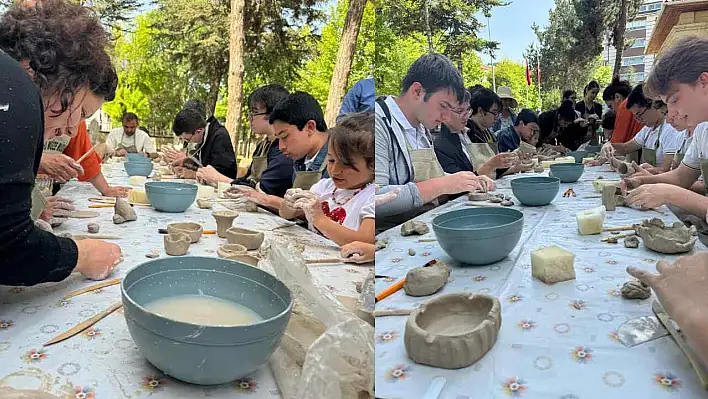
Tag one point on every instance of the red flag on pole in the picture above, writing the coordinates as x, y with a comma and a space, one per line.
528, 73
538, 68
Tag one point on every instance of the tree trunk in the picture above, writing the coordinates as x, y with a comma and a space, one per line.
428, 29
214, 85
620, 30
236, 70
345, 56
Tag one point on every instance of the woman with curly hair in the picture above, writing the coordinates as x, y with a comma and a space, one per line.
54, 72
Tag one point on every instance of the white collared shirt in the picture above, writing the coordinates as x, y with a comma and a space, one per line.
464, 141
416, 136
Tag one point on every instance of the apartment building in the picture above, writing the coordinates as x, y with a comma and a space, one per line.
635, 63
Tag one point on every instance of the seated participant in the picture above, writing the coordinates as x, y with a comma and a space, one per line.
270, 172
451, 144
658, 140
405, 159
360, 98
507, 116
555, 127
46, 82
208, 145
301, 131
608, 124
129, 138
525, 128
342, 207
626, 125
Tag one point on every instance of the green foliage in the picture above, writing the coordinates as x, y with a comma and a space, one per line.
602, 74
513, 74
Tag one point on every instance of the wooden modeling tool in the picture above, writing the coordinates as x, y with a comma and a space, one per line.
93, 287
84, 325
620, 228
330, 261
89, 152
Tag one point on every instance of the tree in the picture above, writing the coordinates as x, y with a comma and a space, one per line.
236, 70
345, 56
618, 13
513, 74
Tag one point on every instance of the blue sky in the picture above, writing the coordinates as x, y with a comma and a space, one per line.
511, 26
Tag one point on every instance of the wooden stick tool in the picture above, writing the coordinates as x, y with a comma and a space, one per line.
84, 324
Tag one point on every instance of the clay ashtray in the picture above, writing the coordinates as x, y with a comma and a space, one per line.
248, 238
193, 230
674, 239
226, 250
244, 258
224, 220
453, 331
177, 244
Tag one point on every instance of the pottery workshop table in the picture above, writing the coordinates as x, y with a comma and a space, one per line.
103, 362
556, 341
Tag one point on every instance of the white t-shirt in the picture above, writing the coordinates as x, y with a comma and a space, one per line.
356, 207
698, 147
141, 140
669, 141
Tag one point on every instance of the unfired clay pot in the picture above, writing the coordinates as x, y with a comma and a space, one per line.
248, 238
226, 250
244, 258
224, 220
453, 331
674, 239
193, 230
177, 244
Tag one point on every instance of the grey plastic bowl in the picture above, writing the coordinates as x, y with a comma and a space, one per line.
578, 155
567, 172
138, 168
168, 196
535, 191
205, 355
479, 236
137, 157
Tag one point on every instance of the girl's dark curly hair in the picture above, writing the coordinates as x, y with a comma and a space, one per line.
65, 46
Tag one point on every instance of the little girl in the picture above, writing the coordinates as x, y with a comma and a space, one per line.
342, 207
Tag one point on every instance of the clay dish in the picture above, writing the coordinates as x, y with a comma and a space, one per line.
244, 258
224, 220
193, 230
248, 238
453, 331
674, 239
226, 250
177, 244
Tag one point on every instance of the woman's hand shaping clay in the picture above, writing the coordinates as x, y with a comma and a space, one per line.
60, 167
57, 210
97, 258
358, 252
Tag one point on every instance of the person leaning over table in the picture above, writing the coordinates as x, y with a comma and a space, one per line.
299, 126
405, 159
130, 139
680, 79
270, 172
558, 128
207, 145
658, 140
48, 88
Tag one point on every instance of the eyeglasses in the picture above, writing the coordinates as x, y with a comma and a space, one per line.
639, 115
251, 115
495, 113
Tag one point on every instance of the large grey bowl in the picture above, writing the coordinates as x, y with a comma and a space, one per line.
137, 168
535, 191
205, 355
168, 196
479, 236
567, 172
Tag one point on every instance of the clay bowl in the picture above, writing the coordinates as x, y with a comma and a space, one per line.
224, 220
205, 354
453, 331
177, 244
535, 191
244, 258
567, 172
170, 196
674, 239
248, 238
578, 155
133, 168
193, 230
227, 250
479, 236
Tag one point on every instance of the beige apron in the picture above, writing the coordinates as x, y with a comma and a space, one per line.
131, 149
480, 153
649, 155
260, 162
425, 163
678, 157
309, 178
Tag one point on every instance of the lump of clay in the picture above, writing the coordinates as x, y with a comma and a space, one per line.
478, 196
631, 242
123, 212
92, 228
414, 227
204, 203
507, 203
552, 264
496, 200
154, 253
538, 169
411, 251
381, 244
635, 290
673, 239
423, 281
590, 221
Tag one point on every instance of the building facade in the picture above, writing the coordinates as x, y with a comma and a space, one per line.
635, 63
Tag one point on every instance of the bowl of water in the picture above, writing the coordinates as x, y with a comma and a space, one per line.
170, 196
205, 320
535, 191
137, 157
136, 168
479, 236
567, 172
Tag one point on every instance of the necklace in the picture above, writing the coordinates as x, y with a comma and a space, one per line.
341, 203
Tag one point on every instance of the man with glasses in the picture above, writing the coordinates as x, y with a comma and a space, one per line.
405, 158
270, 172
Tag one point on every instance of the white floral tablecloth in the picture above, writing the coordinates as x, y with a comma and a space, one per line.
103, 362
556, 341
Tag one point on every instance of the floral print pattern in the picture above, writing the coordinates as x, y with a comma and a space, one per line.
396, 260
386, 337
479, 278
611, 262
92, 333
515, 298
400, 372
668, 381
577, 304
615, 292
84, 393
246, 385
514, 386
6, 324
154, 383
582, 354
527, 325
589, 270
614, 337
35, 355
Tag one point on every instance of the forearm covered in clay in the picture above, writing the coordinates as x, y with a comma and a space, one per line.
409, 198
